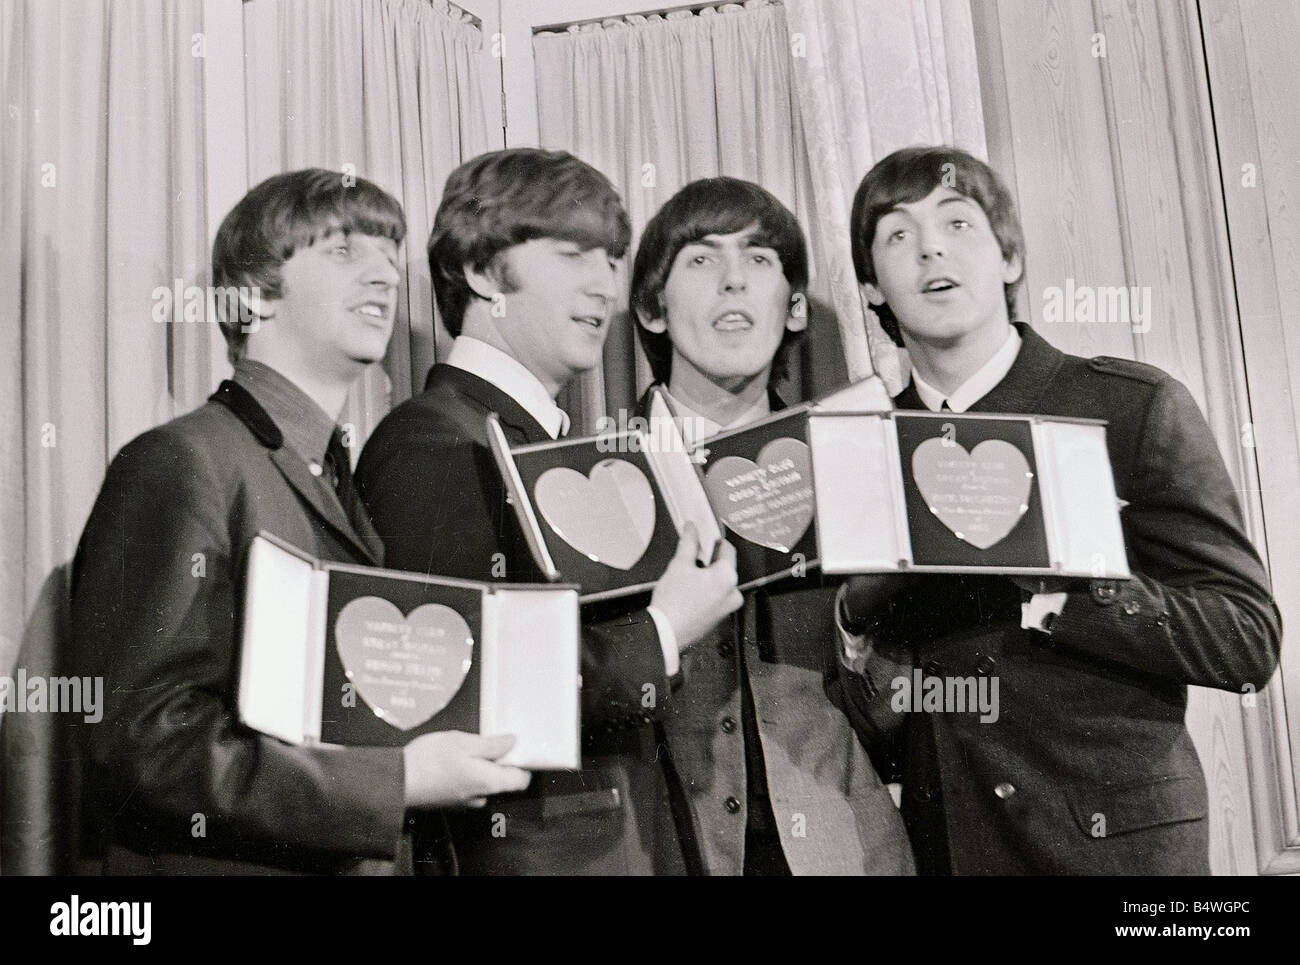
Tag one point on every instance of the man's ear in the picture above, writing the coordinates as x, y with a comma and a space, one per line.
483, 282
655, 325
797, 318
873, 294
1012, 268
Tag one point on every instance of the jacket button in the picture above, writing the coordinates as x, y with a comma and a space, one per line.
985, 665
1132, 607
732, 804
923, 793
1104, 592
1005, 790
728, 724
726, 648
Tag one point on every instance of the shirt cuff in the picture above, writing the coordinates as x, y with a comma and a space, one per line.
1041, 609
854, 647
667, 641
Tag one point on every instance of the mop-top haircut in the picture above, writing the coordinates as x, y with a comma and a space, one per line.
283, 215
712, 206
908, 176
505, 198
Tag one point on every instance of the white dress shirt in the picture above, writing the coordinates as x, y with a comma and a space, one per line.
491, 364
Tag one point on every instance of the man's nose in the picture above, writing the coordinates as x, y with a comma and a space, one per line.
733, 274
602, 279
930, 245
382, 272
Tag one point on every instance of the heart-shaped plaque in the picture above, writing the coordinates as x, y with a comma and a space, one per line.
980, 495
769, 502
407, 668
607, 516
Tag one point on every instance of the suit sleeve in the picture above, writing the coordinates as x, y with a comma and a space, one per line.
155, 593
1199, 610
439, 505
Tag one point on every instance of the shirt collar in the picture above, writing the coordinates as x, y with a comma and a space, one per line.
492, 365
978, 385
696, 427
306, 426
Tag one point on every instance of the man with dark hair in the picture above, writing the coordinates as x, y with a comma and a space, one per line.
1088, 767
173, 782
775, 779
524, 255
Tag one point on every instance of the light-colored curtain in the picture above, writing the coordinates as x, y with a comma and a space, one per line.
872, 76
655, 102
390, 90
103, 204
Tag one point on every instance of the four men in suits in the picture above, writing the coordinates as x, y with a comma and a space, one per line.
775, 780
707, 744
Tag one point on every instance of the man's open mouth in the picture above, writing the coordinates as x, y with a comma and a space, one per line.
733, 322
595, 321
938, 285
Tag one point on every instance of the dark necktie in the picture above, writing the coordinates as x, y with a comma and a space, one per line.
945, 407
339, 465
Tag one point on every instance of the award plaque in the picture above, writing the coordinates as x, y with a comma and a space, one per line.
759, 482
943, 492
361, 656
605, 512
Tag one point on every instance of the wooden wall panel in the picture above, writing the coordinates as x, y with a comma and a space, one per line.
1254, 77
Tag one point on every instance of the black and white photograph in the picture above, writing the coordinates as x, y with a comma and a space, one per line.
359, 513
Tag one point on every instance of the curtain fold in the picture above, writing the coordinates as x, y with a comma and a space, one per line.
103, 136
389, 90
655, 102
872, 76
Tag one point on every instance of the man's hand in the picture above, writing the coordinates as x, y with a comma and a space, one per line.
863, 597
694, 598
455, 769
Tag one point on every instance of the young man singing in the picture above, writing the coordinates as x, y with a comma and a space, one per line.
173, 783
524, 255
775, 780
1088, 767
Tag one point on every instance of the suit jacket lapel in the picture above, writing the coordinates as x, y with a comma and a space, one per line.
362, 538
520, 427
1022, 387
1030, 376
329, 509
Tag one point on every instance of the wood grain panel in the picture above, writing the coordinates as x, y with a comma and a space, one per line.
1064, 183
1251, 48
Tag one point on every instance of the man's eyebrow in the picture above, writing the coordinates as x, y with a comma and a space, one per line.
956, 199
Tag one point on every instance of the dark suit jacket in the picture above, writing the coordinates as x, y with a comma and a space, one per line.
1089, 768
831, 812
172, 782
436, 497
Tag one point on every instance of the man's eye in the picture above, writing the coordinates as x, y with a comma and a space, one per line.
961, 223
699, 260
761, 259
897, 235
